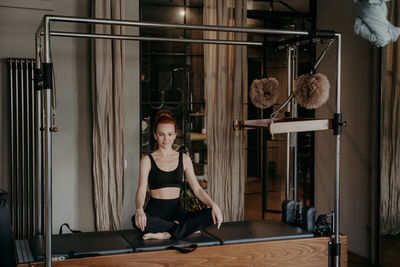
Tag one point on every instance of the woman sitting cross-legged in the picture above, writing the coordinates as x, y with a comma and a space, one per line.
162, 170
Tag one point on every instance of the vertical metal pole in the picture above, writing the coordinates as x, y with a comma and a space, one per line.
13, 147
27, 151
293, 140
264, 145
259, 164
38, 140
47, 142
263, 153
289, 85
337, 181
18, 148
32, 146
24, 207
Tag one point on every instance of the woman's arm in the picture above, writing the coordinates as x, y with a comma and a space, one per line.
199, 192
144, 169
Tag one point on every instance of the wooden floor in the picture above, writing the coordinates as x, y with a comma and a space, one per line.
390, 251
253, 200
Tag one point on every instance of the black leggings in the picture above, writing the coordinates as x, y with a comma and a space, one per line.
161, 214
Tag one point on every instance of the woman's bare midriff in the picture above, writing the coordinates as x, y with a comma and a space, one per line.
165, 193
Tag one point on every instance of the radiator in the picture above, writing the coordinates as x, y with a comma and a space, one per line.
26, 186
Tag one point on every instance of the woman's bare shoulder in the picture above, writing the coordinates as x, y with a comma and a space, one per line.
145, 160
186, 157
186, 160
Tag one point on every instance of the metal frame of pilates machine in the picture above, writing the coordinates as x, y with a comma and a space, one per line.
44, 96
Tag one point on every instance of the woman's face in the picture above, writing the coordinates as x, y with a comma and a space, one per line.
165, 135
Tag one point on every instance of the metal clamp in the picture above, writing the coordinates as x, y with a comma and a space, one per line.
338, 124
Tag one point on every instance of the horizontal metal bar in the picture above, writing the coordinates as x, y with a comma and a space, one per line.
148, 38
22, 60
172, 25
293, 41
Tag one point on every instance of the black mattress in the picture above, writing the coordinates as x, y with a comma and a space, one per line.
115, 242
256, 231
80, 245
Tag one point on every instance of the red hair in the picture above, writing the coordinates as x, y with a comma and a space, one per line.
163, 117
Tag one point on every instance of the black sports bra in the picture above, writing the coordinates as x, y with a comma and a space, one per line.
160, 179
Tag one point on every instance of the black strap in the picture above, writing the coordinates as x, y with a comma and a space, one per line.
69, 228
186, 250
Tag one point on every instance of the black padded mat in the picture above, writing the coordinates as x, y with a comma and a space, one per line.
138, 244
255, 231
80, 245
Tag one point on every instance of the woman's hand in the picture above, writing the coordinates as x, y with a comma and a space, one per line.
216, 215
140, 219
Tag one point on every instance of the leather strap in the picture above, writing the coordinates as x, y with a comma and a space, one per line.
186, 250
69, 228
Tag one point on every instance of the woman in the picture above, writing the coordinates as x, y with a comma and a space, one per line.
163, 170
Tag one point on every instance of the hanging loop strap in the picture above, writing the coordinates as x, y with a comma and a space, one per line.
322, 55
69, 228
187, 250
289, 98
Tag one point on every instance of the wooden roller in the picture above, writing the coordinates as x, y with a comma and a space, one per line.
285, 125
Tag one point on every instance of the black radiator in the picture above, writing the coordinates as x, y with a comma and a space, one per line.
25, 188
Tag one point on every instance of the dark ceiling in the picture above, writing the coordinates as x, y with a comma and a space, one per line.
271, 5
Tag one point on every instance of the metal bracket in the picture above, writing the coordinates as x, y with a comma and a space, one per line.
338, 124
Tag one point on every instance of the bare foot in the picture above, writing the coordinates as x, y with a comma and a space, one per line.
163, 235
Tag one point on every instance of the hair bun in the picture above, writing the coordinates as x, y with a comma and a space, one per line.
164, 113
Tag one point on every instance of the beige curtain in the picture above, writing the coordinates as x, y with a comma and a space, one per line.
108, 105
225, 69
390, 160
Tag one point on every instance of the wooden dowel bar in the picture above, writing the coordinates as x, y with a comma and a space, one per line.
286, 125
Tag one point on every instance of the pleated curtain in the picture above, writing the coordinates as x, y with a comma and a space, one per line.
225, 70
108, 105
390, 146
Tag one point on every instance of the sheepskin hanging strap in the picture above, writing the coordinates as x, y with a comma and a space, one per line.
225, 69
390, 157
108, 105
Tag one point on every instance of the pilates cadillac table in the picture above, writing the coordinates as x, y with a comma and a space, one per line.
246, 243
254, 243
